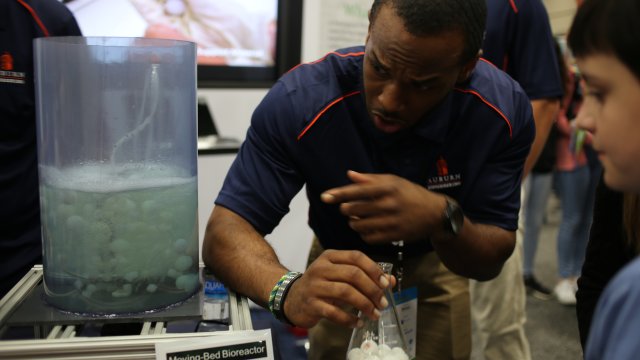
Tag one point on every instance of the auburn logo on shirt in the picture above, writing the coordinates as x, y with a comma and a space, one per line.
444, 179
7, 75
6, 61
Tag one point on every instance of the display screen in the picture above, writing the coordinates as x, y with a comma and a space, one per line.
238, 40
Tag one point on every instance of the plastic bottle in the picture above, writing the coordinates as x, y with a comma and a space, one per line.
216, 299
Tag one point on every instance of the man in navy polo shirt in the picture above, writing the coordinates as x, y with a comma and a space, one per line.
410, 139
20, 23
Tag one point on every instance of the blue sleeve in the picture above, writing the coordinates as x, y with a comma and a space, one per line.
263, 178
532, 60
616, 322
495, 196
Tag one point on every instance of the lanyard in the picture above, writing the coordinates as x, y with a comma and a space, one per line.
399, 268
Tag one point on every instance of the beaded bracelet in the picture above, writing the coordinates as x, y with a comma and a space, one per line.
279, 292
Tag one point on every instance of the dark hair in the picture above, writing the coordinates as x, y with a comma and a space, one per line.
432, 17
608, 26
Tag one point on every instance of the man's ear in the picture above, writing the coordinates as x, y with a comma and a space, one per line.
467, 68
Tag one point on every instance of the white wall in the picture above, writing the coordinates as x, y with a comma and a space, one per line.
333, 24
291, 239
232, 109
311, 30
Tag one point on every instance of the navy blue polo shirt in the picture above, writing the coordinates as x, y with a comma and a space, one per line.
20, 242
519, 41
313, 126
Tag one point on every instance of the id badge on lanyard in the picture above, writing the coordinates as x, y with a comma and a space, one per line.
407, 307
406, 302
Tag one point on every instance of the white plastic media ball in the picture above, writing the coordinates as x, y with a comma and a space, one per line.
187, 282
88, 209
76, 223
149, 207
131, 276
399, 353
123, 292
100, 232
355, 354
172, 273
119, 246
384, 350
180, 245
389, 356
369, 347
174, 7
183, 263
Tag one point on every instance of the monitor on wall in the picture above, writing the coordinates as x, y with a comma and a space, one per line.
241, 43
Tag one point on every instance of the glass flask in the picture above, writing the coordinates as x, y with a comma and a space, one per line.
381, 339
117, 160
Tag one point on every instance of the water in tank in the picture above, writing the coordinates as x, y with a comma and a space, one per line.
117, 156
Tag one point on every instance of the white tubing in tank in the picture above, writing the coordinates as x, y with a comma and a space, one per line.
152, 92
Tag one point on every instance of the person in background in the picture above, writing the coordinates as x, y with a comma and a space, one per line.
407, 145
604, 37
572, 178
537, 188
520, 42
21, 21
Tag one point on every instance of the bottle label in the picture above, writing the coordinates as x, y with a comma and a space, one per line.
216, 300
214, 287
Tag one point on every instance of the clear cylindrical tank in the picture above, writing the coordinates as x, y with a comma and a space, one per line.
117, 155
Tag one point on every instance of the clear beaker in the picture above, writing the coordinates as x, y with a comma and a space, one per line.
117, 156
379, 339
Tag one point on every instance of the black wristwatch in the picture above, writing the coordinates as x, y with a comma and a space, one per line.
453, 217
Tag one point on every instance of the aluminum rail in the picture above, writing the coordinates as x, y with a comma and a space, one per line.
60, 341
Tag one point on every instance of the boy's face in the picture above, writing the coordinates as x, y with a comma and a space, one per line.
611, 111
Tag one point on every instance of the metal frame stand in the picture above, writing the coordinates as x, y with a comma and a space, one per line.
59, 340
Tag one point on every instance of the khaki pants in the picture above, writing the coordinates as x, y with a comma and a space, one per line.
444, 325
498, 309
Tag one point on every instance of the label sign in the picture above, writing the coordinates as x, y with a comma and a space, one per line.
228, 345
253, 350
